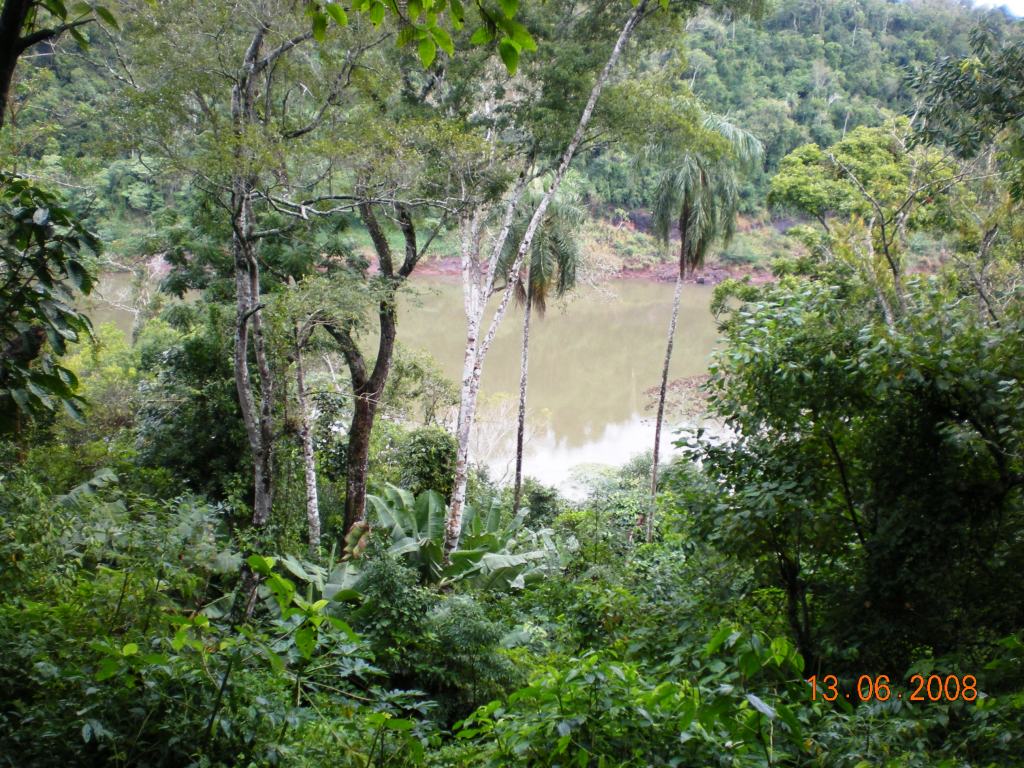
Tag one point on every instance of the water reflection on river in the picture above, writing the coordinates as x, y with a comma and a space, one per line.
591, 363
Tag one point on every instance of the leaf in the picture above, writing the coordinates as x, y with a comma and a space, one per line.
79, 276
294, 567
130, 649
276, 663
427, 51
260, 564
458, 13
761, 706
509, 7
178, 641
57, 8
108, 18
71, 409
787, 716
717, 639
343, 626
377, 14
319, 27
398, 724
337, 13
443, 40
481, 36
107, 669
520, 35
305, 641
430, 515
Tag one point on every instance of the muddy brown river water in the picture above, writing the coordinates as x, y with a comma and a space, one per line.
592, 361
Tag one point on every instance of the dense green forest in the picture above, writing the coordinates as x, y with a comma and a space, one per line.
254, 528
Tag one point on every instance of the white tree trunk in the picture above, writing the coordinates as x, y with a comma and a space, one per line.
467, 410
477, 350
308, 457
648, 519
524, 366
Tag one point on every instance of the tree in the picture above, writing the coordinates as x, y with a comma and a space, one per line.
43, 261
368, 383
481, 275
551, 268
880, 189
338, 299
480, 262
255, 152
389, 155
698, 193
972, 101
25, 23
860, 452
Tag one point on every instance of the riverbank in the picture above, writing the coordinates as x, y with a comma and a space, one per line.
711, 274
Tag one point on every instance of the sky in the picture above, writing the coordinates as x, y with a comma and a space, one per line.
1016, 6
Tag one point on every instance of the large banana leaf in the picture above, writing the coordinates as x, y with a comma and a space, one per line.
493, 556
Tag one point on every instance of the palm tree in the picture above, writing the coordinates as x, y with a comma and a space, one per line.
551, 269
698, 192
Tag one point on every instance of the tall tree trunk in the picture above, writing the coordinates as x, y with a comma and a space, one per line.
12, 21
308, 456
471, 383
648, 520
368, 388
258, 421
467, 410
358, 457
524, 365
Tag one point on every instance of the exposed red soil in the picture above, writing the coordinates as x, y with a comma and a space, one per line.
711, 274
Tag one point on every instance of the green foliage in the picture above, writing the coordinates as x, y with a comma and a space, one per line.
189, 421
602, 711
417, 389
429, 461
698, 190
494, 553
813, 72
425, 25
859, 513
858, 449
972, 101
446, 647
44, 260
555, 255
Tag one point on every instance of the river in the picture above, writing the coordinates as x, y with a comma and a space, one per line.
593, 360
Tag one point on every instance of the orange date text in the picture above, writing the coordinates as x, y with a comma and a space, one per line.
880, 688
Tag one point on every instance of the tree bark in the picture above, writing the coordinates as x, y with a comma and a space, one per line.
473, 366
467, 410
524, 365
797, 609
363, 416
308, 456
648, 521
12, 44
12, 21
258, 418
368, 388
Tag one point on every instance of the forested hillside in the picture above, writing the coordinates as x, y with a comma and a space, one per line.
803, 72
254, 522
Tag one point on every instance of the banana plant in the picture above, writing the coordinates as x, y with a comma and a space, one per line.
492, 555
